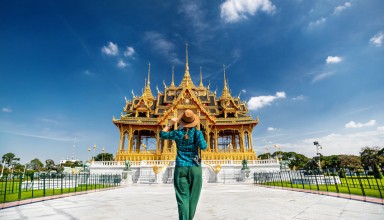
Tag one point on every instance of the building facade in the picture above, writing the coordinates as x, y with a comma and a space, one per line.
224, 121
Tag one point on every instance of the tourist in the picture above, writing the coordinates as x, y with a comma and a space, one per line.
187, 177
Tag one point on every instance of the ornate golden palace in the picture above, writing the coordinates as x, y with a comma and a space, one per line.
224, 121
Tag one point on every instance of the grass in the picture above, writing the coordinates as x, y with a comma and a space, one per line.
354, 186
12, 193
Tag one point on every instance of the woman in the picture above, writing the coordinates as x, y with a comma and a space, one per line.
187, 177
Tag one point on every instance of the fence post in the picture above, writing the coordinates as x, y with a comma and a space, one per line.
378, 187
75, 182
317, 184
5, 190
33, 183
334, 180
346, 180
325, 179
361, 185
290, 179
44, 185
21, 180
301, 178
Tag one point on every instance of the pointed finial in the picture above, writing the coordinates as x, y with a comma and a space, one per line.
201, 77
186, 57
173, 76
225, 80
157, 88
149, 73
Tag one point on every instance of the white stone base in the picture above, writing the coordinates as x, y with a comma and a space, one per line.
143, 173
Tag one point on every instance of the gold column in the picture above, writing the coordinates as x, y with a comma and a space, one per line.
130, 139
234, 142
122, 138
138, 141
157, 140
241, 141
208, 139
250, 141
215, 139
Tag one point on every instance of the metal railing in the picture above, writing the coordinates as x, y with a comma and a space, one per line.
331, 182
16, 188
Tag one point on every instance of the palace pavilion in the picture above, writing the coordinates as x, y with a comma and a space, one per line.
225, 121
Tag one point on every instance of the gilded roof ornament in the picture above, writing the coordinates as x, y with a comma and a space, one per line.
173, 78
225, 94
187, 81
201, 79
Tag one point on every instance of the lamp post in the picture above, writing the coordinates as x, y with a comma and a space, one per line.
318, 147
103, 153
25, 168
89, 153
2, 169
94, 152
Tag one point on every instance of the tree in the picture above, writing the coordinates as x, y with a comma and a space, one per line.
371, 156
350, 161
36, 164
9, 158
295, 160
330, 161
104, 156
265, 156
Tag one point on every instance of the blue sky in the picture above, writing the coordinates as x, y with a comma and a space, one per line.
310, 70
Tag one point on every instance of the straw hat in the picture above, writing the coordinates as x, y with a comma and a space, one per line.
188, 119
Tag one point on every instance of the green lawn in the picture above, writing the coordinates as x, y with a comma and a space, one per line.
9, 196
348, 185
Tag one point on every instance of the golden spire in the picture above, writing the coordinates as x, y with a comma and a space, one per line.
186, 58
225, 94
187, 81
225, 79
173, 78
147, 93
149, 73
201, 79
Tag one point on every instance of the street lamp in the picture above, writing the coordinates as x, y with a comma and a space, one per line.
318, 147
89, 153
94, 151
25, 168
103, 153
2, 169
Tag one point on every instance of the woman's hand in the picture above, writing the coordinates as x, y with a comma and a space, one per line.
173, 121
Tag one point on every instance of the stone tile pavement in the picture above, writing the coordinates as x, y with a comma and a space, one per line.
218, 201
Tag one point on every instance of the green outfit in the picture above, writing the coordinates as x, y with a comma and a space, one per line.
187, 182
187, 177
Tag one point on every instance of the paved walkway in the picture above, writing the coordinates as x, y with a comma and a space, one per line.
217, 202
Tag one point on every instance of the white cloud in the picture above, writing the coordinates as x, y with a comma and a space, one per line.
333, 143
260, 101
341, 8
377, 40
244, 91
161, 45
7, 109
317, 22
271, 129
121, 64
110, 50
353, 124
321, 76
297, 98
129, 52
237, 10
333, 59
